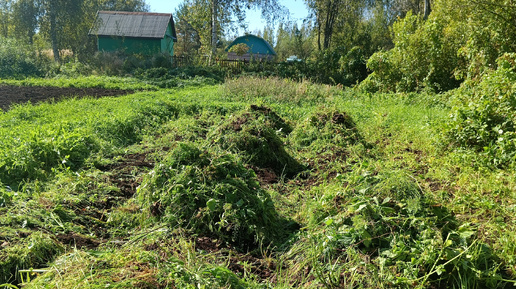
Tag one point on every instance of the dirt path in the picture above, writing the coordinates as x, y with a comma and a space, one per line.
10, 94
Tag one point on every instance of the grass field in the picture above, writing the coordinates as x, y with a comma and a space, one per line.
254, 183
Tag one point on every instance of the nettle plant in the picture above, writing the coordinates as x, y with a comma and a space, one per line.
483, 118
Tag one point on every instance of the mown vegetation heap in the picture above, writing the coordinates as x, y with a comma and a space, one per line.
286, 185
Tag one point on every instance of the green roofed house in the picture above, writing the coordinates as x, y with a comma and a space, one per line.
135, 32
259, 49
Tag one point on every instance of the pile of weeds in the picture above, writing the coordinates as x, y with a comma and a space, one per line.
256, 133
381, 230
80, 211
155, 258
24, 249
326, 127
210, 193
323, 138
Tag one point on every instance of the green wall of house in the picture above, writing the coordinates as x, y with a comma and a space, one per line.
130, 45
167, 43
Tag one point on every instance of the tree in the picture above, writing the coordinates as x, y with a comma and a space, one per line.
271, 10
25, 17
198, 18
126, 5
427, 9
188, 39
66, 23
291, 40
333, 17
5, 17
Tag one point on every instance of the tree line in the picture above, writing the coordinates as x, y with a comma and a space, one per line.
61, 23
394, 45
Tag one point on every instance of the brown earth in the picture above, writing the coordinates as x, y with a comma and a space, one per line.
10, 94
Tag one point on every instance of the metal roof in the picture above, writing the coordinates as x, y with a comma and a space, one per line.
132, 24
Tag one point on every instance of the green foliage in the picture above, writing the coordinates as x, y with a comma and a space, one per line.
5, 196
277, 90
240, 49
424, 57
483, 118
18, 60
380, 206
212, 194
37, 152
48, 137
181, 77
92, 81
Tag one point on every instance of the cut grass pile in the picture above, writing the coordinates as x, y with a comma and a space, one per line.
257, 183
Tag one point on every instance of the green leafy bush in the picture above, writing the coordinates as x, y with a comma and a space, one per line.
212, 194
18, 60
483, 118
424, 57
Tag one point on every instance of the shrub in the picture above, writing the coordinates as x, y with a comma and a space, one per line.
424, 57
18, 60
483, 118
212, 194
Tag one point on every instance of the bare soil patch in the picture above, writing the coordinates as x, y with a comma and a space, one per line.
11, 94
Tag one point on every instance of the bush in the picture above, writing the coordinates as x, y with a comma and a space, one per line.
212, 194
483, 118
424, 57
18, 60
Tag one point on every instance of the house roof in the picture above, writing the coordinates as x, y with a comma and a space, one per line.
132, 24
256, 44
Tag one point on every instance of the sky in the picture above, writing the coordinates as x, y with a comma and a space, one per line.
297, 9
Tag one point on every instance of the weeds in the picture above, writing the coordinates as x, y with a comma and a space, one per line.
173, 188
210, 193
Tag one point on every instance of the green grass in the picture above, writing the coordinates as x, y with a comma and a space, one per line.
108, 82
176, 188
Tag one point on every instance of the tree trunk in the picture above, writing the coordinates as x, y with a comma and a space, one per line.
53, 29
214, 16
427, 9
318, 34
332, 10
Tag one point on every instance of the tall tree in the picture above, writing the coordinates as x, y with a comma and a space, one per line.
198, 16
331, 16
5, 17
25, 17
66, 23
188, 39
125, 5
292, 40
427, 9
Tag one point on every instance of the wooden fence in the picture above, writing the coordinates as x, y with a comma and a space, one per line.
182, 61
